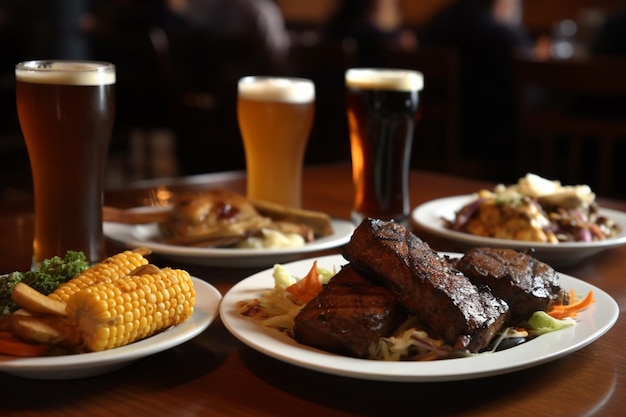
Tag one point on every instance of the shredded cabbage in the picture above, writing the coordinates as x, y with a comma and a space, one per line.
277, 308
541, 322
412, 344
282, 277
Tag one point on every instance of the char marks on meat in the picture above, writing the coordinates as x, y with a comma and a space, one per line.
348, 315
426, 284
525, 283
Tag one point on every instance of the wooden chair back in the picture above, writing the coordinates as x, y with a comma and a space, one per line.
571, 114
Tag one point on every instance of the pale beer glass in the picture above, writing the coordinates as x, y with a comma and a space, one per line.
275, 117
382, 107
66, 111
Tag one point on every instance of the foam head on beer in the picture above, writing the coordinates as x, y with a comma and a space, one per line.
286, 90
384, 79
66, 73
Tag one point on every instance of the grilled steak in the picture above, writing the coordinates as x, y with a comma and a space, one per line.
526, 284
348, 315
426, 284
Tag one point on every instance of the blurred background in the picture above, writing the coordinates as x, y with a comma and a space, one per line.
511, 86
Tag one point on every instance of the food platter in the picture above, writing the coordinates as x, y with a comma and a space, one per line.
147, 235
97, 363
592, 324
428, 216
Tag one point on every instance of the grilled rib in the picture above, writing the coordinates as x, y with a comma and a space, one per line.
426, 284
525, 283
348, 315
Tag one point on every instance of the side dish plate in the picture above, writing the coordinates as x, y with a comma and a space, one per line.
429, 216
133, 236
592, 324
97, 363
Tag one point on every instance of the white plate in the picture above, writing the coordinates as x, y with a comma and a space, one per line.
593, 323
133, 236
429, 217
97, 363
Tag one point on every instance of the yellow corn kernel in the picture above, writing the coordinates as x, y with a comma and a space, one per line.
109, 270
132, 310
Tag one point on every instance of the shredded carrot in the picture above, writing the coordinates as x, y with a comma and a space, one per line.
308, 287
11, 345
560, 311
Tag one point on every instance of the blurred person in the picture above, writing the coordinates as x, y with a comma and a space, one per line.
486, 34
259, 23
219, 42
132, 34
610, 38
129, 33
375, 25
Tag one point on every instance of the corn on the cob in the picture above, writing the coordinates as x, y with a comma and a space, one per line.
108, 270
116, 313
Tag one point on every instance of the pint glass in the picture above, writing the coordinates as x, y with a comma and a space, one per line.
382, 109
66, 111
275, 116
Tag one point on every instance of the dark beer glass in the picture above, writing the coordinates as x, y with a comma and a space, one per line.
382, 107
66, 111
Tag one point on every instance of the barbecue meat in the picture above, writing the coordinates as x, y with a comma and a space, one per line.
348, 315
426, 284
526, 284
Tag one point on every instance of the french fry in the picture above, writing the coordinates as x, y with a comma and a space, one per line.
37, 329
32, 300
145, 269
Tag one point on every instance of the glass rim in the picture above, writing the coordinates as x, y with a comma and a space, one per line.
73, 65
403, 79
276, 88
66, 72
251, 78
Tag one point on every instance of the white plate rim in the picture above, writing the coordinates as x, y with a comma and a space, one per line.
593, 323
129, 236
81, 365
428, 216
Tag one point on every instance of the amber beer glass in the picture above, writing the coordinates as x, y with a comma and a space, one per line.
275, 117
382, 109
66, 111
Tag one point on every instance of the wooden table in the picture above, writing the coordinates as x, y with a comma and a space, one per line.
216, 375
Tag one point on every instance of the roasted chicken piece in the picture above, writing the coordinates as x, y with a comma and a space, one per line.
222, 218
211, 218
218, 217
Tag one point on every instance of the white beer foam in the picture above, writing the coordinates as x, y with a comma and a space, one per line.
385, 79
287, 90
66, 73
